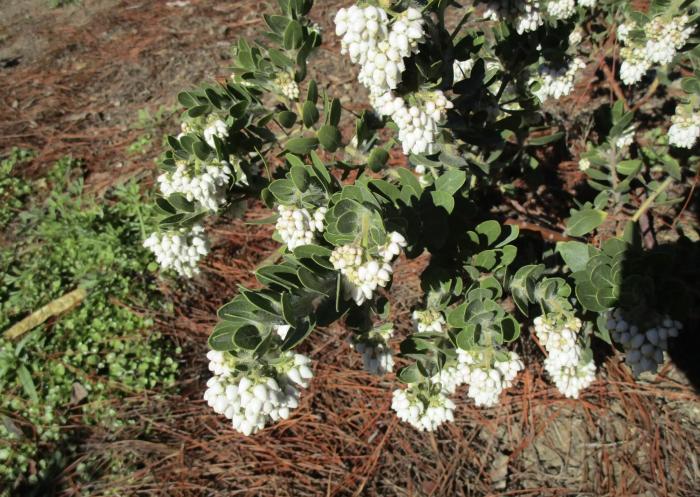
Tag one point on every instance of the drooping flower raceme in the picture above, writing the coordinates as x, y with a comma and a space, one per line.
486, 375
179, 250
664, 37
252, 399
576, 36
205, 183
556, 83
626, 139
525, 15
376, 353
450, 378
566, 362
644, 348
393, 247
298, 226
561, 9
362, 274
287, 86
685, 128
571, 379
429, 320
418, 123
423, 410
217, 128
377, 45
635, 64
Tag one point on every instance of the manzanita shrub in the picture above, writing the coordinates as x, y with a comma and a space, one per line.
468, 92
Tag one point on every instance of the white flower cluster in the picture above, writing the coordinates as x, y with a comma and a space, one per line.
251, 401
361, 276
217, 128
450, 378
393, 247
684, 130
525, 15
299, 227
429, 320
419, 124
207, 187
287, 86
626, 139
424, 412
487, 378
179, 250
422, 171
377, 358
576, 36
556, 83
565, 361
644, 349
584, 164
377, 45
664, 38
561, 9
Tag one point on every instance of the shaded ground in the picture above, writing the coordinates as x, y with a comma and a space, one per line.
73, 80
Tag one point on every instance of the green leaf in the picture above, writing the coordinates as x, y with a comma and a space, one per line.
321, 171
286, 118
237, 111
300, 177
575, 254
543, 140
25, 378
450, 181
221, 338
510, 328
628, 167
491, 229
672, 167
310, 114
410, 374
408, 180
691, 85
179, 201
284, 190
465, 339
247, 337
186, 100
377, 159
165, 206
522, 286
584, 221
444, 200
312, 93
276, 23
293, 35
197, 111
279, 59
593, 298
329, 136
334, 114
301, 146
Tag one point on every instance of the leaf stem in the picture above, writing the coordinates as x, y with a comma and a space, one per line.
650, 200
